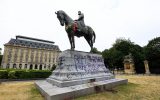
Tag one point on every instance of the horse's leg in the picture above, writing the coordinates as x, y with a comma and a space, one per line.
73, 43
88, 37
69, 37
91, 44
91, 35
88, 40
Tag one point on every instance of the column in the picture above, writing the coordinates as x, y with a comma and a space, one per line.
132, 69
146, 67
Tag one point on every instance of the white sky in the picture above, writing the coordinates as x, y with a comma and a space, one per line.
138, 20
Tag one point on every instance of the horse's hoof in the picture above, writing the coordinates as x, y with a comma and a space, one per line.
72, 49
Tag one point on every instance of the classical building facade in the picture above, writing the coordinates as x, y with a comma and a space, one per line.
29, 53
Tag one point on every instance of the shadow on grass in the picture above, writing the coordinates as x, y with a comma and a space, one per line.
120, 92
130, 87
34, 90
35, 94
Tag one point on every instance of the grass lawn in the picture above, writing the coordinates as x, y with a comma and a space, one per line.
139, 88
19, 91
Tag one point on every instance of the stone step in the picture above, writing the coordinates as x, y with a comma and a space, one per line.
60, 83
53, 92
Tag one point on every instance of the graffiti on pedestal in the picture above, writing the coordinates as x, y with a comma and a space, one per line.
60, 62
89, 64
79, 66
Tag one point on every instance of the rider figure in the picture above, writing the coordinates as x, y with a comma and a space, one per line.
81, 21
81, 18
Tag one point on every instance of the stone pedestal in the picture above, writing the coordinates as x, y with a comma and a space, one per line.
129, 68
77, 72
146, 67
77, 67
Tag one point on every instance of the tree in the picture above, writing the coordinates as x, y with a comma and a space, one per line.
95, 50
115, 55
152, 54
138, 54
0, 51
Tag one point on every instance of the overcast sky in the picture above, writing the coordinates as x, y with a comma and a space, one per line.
138, 20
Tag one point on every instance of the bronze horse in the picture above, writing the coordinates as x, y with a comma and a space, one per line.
71, 27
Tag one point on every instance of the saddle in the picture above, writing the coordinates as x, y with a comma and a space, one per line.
79, 29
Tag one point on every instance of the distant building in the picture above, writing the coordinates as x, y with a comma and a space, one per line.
29, 53
129, 67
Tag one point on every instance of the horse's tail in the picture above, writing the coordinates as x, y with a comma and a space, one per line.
94, 38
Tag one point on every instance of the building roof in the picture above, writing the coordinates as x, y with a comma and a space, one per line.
30, 38
32, 44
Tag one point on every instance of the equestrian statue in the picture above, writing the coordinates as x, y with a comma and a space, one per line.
76, 28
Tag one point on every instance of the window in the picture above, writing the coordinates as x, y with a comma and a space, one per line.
45, 66
31, 67
7, 66
36, 66
20, 66
14, 65
49, 66
25, 66
40, 67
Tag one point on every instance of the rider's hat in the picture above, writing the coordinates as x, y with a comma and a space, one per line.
79, 12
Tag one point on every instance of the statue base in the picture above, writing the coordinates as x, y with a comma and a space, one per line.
76, 67
79, 72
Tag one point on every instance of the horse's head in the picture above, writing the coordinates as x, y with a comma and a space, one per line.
60, 16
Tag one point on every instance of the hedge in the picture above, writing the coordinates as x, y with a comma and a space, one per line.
3, 74
24, 74
11, 74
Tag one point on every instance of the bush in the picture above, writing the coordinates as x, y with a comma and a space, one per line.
40, 74
53, 67
19, 74
3, 74
24, 74
11, 75
29, 74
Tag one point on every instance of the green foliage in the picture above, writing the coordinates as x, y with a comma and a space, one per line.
152, 54
153, 49
34, 91
3, 74
115, 55
112, 57
11, 75
40, 74
117, 52
123, 45
53, 67
139, 57
28, 74
24, 74
95, 50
